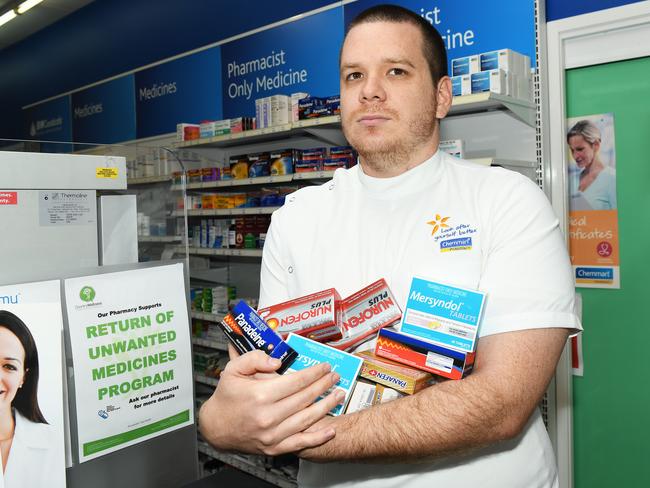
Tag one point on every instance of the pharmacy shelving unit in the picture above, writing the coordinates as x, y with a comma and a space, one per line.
465, 111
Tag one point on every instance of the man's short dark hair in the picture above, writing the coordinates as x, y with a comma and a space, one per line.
433, 47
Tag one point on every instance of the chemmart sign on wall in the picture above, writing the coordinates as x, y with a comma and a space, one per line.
132, 359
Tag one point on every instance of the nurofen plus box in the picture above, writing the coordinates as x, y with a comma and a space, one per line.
465, 66
365, 312
247, 332
492, 81
445, 315
424, 355
392, 374
461, 85
315, 316
454, 147
311, 353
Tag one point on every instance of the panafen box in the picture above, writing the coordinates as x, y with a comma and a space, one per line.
311, 353
315, 316
367, 394
392, 374
444, 315
247, 332
365, 312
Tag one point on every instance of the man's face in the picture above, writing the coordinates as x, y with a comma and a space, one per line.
388, 102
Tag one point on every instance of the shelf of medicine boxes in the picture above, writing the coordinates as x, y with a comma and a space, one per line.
299, 128
260, 180
524, 110
225, 212
271, 475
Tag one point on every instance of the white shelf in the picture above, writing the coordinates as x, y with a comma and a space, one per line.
219, 346
314, 175
225, 212
261, 180
503, 162
201, 378
148, 180
523, 110
201, 251
160, 238
211, 317
260, 135
271, 475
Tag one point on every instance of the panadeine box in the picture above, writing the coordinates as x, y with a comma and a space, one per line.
311, 353
247, 332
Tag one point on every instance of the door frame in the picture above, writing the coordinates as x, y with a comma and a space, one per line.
605, 36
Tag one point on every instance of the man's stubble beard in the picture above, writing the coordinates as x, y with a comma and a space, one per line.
388, 153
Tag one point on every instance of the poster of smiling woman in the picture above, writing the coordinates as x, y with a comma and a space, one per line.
31, 386
593, 214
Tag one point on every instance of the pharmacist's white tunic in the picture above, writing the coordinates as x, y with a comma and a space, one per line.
356, 229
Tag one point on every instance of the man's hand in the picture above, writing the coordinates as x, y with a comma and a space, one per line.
257, 411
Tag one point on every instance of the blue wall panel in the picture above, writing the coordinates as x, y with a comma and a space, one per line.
109, 37
560, 9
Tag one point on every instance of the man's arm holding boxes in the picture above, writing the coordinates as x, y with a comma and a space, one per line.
493, 404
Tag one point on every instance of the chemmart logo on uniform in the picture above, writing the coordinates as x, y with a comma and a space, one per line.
462, 244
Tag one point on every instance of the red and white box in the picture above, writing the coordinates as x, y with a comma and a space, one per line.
316, 316
365, 312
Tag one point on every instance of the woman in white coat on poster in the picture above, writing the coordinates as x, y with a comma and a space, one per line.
28, 457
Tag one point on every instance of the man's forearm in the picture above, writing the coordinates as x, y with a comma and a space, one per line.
447, 418
491, 405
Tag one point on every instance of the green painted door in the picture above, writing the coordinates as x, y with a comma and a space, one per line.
612, 400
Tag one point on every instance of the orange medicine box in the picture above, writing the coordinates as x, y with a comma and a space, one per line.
424, 355
314, 316
394, 375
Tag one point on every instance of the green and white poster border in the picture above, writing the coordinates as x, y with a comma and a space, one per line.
130, 341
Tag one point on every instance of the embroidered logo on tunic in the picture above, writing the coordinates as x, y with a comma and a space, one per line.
452, 237
438, 223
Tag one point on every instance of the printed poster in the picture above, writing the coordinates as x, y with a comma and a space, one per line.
593, 214
31, 398
130, 340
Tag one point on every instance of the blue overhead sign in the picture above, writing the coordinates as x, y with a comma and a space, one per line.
105, 114
187, 89
472, 26
300, 56
50, 121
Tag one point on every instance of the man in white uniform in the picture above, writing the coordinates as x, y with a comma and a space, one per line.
407, 209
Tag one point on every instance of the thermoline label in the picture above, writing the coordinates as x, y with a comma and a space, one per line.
445, 315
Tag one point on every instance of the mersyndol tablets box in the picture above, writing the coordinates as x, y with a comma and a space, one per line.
316, 316
465, 66
461, 85
445, 315
492, 81
424, 355
365, 312
311, 353
247, 332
